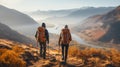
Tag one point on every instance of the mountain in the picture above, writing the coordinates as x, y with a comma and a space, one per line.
104, 27
17, 20
112, 20
7, 33
68, 16
49, 13
90, 11
54, 12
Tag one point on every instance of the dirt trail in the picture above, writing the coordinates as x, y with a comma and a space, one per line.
54, 60
31, 55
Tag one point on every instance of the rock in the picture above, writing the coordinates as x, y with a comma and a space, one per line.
53, 60
109, 65
5, 46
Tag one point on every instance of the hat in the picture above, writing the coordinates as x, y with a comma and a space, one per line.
43, 25
66, 26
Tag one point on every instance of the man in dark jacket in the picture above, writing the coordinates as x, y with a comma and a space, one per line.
42, 36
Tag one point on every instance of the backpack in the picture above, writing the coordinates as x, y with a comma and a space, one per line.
66, 36
41, 34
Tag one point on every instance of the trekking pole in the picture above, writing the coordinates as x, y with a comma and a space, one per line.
59, 53
37, 44
59, 50
37, 41
48, 51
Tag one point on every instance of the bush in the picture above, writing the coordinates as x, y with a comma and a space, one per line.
73, 51
96, 57
11, 58
18, 50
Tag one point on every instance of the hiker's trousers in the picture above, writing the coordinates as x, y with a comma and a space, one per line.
42, 49
64, 51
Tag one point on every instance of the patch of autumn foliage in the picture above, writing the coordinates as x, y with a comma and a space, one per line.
94, 57
11, 58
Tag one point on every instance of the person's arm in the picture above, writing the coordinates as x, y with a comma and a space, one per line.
36, 34
47, 36
60, 39
70, 36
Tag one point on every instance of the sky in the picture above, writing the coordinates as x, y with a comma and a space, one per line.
33, 5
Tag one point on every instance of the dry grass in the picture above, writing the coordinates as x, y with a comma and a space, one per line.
11, 58
18, 50
96, 57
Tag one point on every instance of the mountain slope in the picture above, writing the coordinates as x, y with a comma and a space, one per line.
22, 55
8, 33
17, 54
106, 24
17, 20
112, 21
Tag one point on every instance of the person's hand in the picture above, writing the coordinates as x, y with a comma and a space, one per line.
47, 42
59, 44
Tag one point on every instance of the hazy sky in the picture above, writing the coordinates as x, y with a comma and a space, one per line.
32, 5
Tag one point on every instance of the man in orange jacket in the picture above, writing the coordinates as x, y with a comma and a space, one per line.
42, 36
64, 40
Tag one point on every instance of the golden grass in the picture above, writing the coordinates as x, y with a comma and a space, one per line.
96, 57
17, 49
11, 58
73, 51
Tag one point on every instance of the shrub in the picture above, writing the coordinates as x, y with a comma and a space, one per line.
73, 51
96, 57
11, 58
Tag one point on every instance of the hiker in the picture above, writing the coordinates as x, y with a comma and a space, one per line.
42, 36
64, 40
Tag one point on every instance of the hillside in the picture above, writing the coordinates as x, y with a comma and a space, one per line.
104, 27
112, 21
17, 20
7, 33
21, 55
17, 54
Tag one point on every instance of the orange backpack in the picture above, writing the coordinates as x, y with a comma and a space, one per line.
66, 36
41, 34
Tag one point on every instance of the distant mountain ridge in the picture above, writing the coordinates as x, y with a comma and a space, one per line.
53, 12
67, 16
85, 11
90, 11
